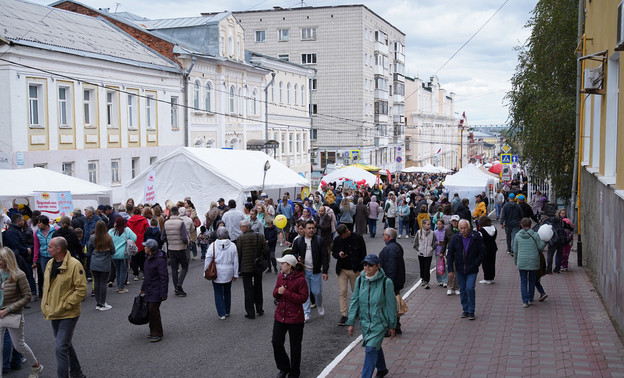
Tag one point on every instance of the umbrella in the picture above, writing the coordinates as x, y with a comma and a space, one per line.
497, 168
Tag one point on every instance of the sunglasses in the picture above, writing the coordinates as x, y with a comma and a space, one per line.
365, 264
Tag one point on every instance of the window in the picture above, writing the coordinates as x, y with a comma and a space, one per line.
35, 105
135, 166
88, 106
133, 114
283, 143
313, 108
290, 143
68, 168
64, 106
174, 113
232, 103
260, 36
151, 111
255, 101
240, 101
308, 58
314, 84
230, 45
285, 57
41, 165
196, 95
308, 34
381, 107
92, 168
247, 100
208, 97
296, 94
115, 180
273, 93
153, 159
111, 109
288, 93
281, 92
222, 45
303, 95
282, 35
298, 145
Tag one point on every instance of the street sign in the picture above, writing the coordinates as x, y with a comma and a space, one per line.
399, 159
514, 158
506, 173
355, 154
505, 158
506, 148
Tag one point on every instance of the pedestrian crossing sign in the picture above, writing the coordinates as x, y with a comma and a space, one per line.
506, 158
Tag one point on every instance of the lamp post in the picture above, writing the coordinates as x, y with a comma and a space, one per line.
461, 143
266, 115
267, 166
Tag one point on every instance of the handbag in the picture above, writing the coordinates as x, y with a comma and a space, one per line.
11, 320
440, 266
131, 247
401, 306
140, 311
260, 263
211, 272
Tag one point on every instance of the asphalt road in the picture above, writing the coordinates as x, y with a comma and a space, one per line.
196, 342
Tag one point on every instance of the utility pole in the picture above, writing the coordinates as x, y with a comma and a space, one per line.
266, 113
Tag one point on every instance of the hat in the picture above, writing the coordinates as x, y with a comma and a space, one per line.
263, 195
107, 207
454, 217
101, 207
371, 259
512, 196
479, 196
151, 244
520, 197
221, 200
290, 259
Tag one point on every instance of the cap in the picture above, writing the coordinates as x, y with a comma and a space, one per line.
101, 207
151, 244
263, 195
290, 259
512, 196
454, 217
479, 196
520, 197
371, 259
221, 200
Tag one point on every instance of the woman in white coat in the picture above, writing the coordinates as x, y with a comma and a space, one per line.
226, 260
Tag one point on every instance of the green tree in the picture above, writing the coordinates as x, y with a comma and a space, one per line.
542, 101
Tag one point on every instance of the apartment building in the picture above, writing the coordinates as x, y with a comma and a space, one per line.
357, 95
431, 133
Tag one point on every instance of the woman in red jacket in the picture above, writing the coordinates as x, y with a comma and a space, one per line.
138, 224
291, 290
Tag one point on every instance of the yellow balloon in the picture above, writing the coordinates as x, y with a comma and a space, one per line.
281, 221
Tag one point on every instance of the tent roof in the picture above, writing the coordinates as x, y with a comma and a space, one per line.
351, 173
427, 168
469, 175
24, 182
366, 167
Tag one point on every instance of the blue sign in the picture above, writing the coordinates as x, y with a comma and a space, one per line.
399, 159
20, 158
506, 158
514, 158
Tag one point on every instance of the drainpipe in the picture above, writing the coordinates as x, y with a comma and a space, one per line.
311, 121
266, 112
186, 77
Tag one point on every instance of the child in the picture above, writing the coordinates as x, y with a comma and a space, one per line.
202, 241
425, 243
439, 237
270, 234
422, 215
153, 232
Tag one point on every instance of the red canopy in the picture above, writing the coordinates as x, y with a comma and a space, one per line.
497, 168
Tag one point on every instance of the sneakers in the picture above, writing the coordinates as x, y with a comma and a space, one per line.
104, 307
110, 284
313, 305
121, 291
444, 285
321, 310
35, 371
427, 286
399, 237
543, 297
155, 339
179, 291
486, 282
449, 292
471, 316
464, 315
525, 305
222, 317
343, 321
306, 319
89, 279
457, 292
136, 278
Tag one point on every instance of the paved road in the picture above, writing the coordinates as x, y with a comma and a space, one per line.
196, 342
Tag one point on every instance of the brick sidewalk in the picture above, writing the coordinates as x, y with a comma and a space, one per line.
569, 334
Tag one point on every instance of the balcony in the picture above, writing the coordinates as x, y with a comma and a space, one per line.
398, 99
398, 119
381, 47
379, 70
381, 94
399, 57
381, 118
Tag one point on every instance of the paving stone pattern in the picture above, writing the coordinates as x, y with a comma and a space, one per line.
569, 334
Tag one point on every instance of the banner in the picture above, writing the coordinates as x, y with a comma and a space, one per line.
149, 194
54, 204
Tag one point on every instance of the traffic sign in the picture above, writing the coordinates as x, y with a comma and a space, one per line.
506, 158
506, 148
399, 159
514, 158
506, 173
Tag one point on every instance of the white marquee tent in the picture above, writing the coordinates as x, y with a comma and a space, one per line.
349, 173
206, 174
427, 168
468, 182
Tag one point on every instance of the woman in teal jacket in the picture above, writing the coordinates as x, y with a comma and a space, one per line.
121, 235
373, 301
526, 248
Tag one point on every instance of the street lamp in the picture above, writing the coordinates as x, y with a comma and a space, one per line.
267, 166
461, 143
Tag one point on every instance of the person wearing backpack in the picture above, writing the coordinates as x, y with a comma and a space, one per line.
510, 220
556, 245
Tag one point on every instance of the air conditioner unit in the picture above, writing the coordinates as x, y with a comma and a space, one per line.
592, 79
620, 28
339, 154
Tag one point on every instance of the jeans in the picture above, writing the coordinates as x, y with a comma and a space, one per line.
549, 258
252, 286
466, 284
295, 334
41, 266
178, 258
373, 359
120, 269
155, 323
346, 277
66, 359
204, 248
30, 277
425, 267
372, 227
565, 255
99, 289
527, 285
11, 358
315, 285
403, 224
194, 249
223, 297
510, 234
499, 208
538, 286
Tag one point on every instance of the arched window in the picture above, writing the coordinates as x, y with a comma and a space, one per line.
247, 100
240, 101
281, 92
296, 95
208, 97
232, 103
196, 95
288, 93
255, 101
303, 96
235, 144
210, 143
272, 93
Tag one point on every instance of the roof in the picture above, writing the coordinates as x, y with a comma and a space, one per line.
27, 181
182, 22
39, 26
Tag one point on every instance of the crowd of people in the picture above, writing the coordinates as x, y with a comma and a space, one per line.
107, 243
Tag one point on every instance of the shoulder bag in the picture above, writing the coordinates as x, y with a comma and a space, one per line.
211, 272
131, 247
260, 263
542, 268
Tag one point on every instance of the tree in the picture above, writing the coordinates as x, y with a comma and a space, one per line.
542, 99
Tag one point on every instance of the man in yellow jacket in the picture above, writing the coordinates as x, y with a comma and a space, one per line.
480, 208
64, 289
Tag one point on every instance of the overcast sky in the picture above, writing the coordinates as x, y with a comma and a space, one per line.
435, 29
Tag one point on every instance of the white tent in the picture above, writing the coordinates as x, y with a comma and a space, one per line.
427, 168
23, 183
350, 173
206, 174
468, 182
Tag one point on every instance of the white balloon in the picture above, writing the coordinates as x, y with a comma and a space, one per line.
545, 232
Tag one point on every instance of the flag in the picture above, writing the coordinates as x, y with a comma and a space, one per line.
389, 175
464, 120
377, 178
439, 151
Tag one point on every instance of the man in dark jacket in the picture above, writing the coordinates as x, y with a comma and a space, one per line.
250, 246
463, 211
16, 240
465, 253
324, 227
392, 262
510, 220
349, 250
527, 210
310, 252
78, 220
